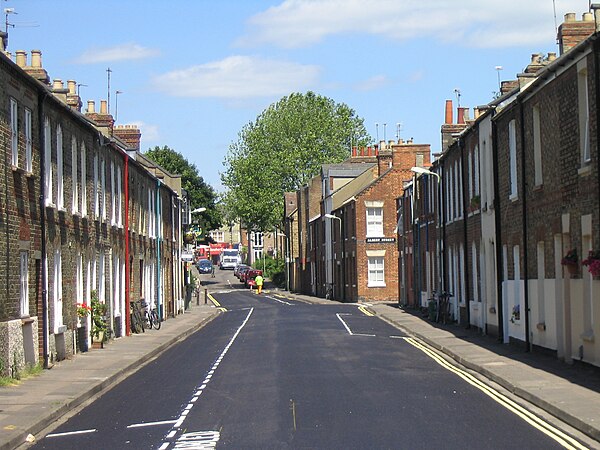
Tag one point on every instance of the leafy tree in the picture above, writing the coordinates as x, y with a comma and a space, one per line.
200, 193
282, 150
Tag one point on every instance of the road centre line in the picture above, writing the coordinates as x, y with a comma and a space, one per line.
151, 424
548, 429
199, 391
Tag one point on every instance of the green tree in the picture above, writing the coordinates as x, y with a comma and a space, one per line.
282, 150
200, 193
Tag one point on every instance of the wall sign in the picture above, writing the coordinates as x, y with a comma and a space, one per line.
380, 240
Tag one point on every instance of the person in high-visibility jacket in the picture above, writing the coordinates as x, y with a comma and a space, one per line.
259, 283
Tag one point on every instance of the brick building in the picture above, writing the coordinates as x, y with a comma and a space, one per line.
519, 190
80, 214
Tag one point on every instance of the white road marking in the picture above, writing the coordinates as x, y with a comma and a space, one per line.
280, 301
151, 424
199, 437
69, 433
348, 328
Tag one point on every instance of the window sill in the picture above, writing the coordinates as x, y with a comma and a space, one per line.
588, 336
28, 173
585, 169
376, 285
16, 169
538, 187
513, 197
50, 205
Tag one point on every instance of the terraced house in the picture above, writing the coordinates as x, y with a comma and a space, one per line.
516, 213
82, 213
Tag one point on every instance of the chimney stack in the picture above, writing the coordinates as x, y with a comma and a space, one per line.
571, 32
73, 100
36, 70
130, 134
21, 58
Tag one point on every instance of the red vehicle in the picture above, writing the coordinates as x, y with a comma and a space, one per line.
250, 276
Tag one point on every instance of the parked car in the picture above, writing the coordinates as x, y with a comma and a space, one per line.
242, 273
205, 266
238, 268
251, 275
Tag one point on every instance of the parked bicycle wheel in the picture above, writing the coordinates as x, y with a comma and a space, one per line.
155, 319
147, 320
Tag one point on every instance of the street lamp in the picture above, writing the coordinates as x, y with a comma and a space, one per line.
343, 263
422, 170
198, 210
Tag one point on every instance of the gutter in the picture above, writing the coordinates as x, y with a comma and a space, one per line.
499, 259
127, 262
461, 145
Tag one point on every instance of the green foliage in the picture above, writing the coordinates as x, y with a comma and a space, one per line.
282, 150
272, 267
200, 193
27, 372
99, 322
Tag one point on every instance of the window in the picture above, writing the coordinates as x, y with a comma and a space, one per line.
28, 142
83, 180
24, 276
218, 236
512, 150
119, 197
374, 221
48, 162
14, 132
376, 271
537, 147
476, 171
96, 190
57, 292
60, 191
113, 200
74, 177
79, 298
103, 189
584, 112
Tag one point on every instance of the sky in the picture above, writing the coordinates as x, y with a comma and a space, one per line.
191, 73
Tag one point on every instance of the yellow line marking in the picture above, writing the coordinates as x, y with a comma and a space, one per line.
545, 427
365, 311
216, 303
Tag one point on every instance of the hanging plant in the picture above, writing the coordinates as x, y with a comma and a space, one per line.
593, 262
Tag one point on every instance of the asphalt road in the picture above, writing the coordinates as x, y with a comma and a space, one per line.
272, 373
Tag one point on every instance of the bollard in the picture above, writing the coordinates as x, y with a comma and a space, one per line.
197, 296
205, 296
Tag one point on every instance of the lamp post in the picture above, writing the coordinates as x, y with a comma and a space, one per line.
343, 263
117, 104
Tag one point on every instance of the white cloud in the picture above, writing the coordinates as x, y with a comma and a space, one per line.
121, 52
237, 77
150, 133
373, 83
471, 23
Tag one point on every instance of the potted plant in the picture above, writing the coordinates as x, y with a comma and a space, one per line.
593, 262
99, 322
570, 261
83, 310
475, 203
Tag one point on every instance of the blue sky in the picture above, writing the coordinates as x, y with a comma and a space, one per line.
193, 73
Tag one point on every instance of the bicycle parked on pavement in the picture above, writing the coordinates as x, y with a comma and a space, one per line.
151, 319
137, 318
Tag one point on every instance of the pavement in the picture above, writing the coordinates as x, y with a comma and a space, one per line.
569, 392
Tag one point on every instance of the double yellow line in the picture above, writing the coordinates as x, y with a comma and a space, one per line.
546, 428
216, 303
365, 311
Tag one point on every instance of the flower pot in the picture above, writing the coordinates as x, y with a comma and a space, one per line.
573, 269
98, 340
82, 342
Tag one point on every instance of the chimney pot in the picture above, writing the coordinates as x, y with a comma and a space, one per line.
448, 118
570, 17
551, 56
103, 108
57, 84
461, 116
72, 85
91, 106
21, 58
36, 59
587, 17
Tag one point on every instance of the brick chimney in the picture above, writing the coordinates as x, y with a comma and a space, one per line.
572, 31
36, 70
103, 120
130, 134
450, 129
73, 100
